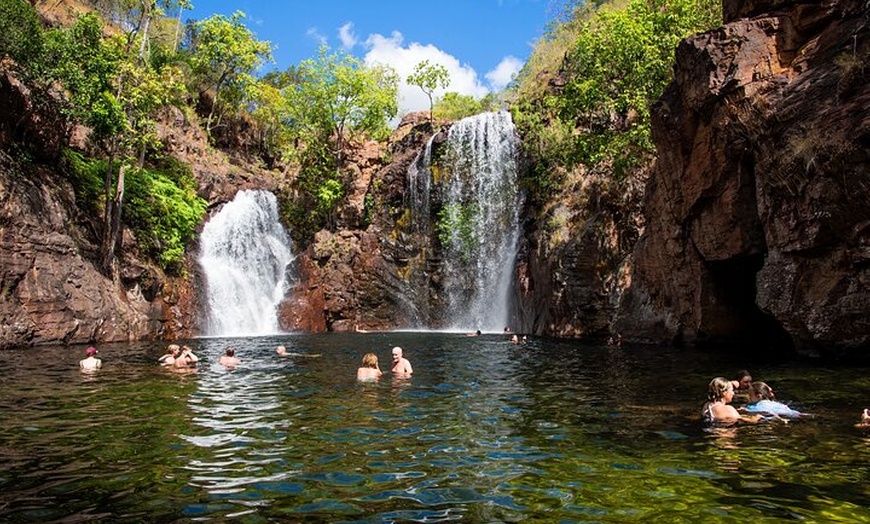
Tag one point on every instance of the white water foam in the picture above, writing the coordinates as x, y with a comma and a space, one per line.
244, 254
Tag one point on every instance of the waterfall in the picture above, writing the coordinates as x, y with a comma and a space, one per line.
244, 253
477, 222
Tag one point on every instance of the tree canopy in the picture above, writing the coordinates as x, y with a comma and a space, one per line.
224, 58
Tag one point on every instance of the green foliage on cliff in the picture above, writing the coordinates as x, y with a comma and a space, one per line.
20, 32
87, 66
328, 102
162, 215
456, 106
86, 177
223, 58
161, 208
584, 96
456, 229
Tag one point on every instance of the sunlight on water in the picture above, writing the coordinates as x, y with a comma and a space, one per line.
485, 431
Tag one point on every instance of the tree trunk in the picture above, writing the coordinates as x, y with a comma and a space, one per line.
112, 231
177, 29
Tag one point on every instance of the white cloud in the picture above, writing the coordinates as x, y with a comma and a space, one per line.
314, 33
347, 36
504, 72
392, 51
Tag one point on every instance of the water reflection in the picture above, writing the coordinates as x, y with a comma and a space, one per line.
484, 431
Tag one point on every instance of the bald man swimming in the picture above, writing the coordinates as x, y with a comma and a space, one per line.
401, 366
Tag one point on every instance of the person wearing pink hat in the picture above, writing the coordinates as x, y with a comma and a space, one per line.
91, 362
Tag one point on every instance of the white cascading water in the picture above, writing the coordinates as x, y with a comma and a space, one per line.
244, 253
481, 203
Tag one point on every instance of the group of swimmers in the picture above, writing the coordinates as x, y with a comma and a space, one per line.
761, 403
760, 400
176, 356
370, 371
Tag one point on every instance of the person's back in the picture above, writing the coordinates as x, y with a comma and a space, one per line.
369, 370
91, 362
229, 359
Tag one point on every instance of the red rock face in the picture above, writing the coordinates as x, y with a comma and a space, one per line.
757, 219
50, 291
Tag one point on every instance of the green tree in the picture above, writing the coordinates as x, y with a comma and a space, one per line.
336, 94
455, 106
619, 65
429, 77
224, 57
330, 100
20, 32
112, 90
614, 60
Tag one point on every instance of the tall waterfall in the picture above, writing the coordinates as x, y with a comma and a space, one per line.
244, 253
478, 220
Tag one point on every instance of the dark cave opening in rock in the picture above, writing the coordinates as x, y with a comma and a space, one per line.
738, 317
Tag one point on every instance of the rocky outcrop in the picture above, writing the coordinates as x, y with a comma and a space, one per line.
373, 273
51, 289
572, 264
758, 224
220, 175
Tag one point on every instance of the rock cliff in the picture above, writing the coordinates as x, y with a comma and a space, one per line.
758, 227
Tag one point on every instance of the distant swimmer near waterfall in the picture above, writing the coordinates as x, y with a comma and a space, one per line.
229, 359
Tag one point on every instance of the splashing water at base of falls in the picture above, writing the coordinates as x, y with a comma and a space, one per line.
244, 253
478, 219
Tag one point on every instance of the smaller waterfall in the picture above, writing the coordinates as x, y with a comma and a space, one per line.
469, 198
420, 182
244, 253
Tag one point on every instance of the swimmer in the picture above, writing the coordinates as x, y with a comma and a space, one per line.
762, 400
720, 392
865, 420
401, 366
173, 351
229, 359
186, 359
281, 351
90, 362
369, 370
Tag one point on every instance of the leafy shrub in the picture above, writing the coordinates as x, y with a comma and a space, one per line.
456, 106
20, 32
162, 215
456, 230
86, 176
584, 96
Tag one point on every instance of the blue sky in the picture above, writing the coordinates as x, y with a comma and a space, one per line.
482, 43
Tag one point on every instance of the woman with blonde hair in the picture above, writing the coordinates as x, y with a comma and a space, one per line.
369, 370
717, 410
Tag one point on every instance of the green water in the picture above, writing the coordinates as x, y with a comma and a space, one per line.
485, 431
